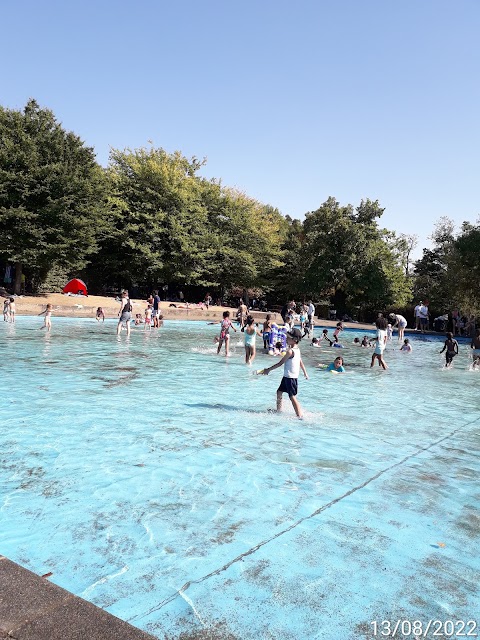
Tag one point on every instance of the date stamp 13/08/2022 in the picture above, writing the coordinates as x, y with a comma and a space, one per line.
428, 629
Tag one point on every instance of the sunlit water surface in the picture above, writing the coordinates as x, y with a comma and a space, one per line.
150, 478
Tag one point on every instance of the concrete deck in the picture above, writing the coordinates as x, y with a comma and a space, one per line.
32, 608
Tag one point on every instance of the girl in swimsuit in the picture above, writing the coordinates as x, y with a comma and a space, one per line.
48, 317
251, 333
225, 327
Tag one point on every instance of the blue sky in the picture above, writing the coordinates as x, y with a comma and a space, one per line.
290, 102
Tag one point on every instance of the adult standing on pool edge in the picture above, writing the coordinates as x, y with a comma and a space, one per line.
125, 313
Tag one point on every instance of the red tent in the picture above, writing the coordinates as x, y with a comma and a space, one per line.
76, 286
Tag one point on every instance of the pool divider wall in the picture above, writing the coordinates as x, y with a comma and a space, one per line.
32, 608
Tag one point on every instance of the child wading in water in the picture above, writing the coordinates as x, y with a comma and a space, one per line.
338, 331
324, 336
406, 346
292, 363
451, 346
267, 330
475, 345
11, 310
381, 341
48, 318
251, 333
225, 326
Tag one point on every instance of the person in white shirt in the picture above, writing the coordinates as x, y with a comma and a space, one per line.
416, 312
380, 343
423, 313
292, 363
311, 311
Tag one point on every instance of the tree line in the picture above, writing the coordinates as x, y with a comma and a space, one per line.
150, 218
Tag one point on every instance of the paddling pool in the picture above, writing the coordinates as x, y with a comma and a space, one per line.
148, 475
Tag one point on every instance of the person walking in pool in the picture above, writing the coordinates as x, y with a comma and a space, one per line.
225, 326
380, 343
475, 345
47, 324
267, 331
292, 363
125, 313
11, 310
451, 348
250, 333
242, 314
406, 346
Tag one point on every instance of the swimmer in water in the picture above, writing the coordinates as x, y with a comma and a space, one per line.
336, 365
406, 346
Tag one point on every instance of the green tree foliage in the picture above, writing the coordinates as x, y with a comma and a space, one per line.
431, 279
463, 269
170, 225
344, 254
51, 193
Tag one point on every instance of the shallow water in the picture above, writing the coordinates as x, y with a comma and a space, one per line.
149, 476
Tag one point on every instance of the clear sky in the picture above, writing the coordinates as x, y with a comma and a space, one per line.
289, 101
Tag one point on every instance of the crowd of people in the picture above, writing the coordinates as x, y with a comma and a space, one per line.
290, 355
304, 315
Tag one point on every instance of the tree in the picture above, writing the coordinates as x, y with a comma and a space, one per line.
463, 269
170, 225
348, 258
431, 278
52, 193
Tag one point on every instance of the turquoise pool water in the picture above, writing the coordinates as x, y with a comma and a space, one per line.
149, 477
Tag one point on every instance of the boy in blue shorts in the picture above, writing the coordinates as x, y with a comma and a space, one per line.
292, 363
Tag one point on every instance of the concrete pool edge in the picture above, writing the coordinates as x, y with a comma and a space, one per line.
32, 608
